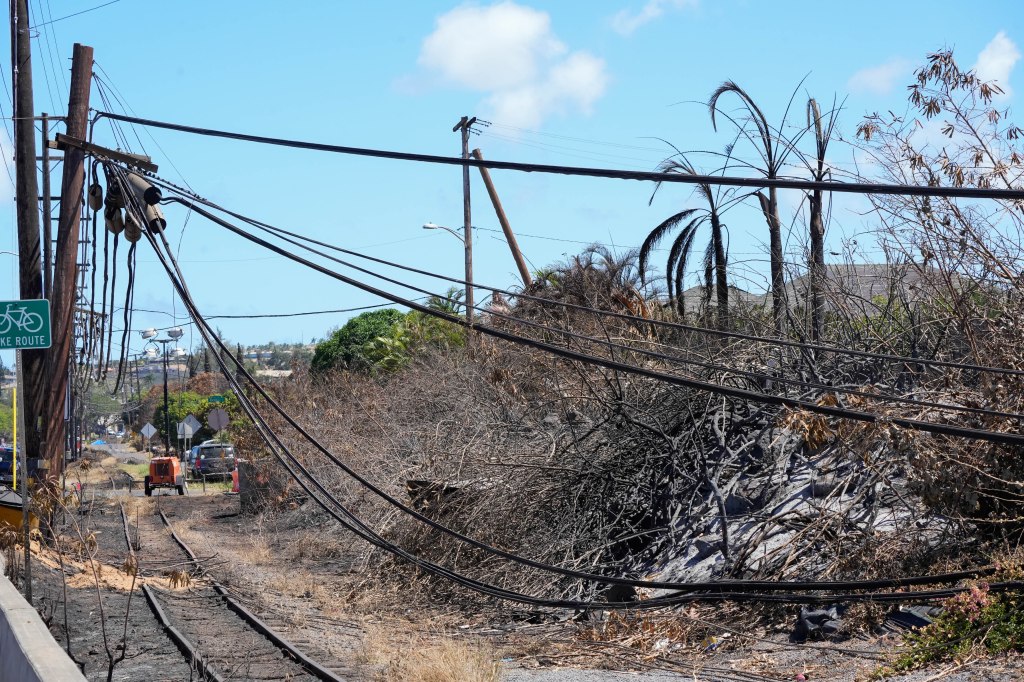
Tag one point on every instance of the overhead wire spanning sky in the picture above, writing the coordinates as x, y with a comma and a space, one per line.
579, 84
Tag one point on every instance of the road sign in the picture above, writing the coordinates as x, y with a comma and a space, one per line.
193, 422
148, 431
215, 399
217, 419
185, 430
24, 324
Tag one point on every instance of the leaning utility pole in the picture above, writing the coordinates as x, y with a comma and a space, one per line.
510, 236
30, 362
65, 271
464, 125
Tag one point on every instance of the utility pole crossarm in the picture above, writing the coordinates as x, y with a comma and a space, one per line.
140, 161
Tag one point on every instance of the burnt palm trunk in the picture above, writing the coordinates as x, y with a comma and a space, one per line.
721, 282
817, 267
817, 226
770, 208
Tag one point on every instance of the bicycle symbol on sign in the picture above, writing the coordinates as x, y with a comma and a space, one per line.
20, 318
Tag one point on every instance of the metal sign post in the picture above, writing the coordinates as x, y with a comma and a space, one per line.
185, 432
148, 431
23, 491
217, 419
193, 422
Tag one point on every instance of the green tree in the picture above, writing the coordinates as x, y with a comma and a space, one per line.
183, 403
6, 421
346, 346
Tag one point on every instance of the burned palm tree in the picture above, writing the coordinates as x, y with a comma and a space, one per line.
715, 254
816, 262
773, 149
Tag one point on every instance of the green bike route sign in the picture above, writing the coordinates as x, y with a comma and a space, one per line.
24, 324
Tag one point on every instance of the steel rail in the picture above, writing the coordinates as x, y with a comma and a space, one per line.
253, 620
179, 638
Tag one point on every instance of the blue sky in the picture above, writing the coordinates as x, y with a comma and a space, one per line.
574, 83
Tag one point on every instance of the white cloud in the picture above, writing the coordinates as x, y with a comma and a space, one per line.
997, 60
879, 80
510, 53
575, 83
626, 21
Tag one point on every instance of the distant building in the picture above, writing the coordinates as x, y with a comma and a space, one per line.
861, 288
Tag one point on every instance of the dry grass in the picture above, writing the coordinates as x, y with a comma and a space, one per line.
304, 585
89, 470
259, 551
657, 633
442, 658
137, 506
316, 545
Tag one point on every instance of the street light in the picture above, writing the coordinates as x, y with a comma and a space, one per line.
149, 335
467, 245
432, 226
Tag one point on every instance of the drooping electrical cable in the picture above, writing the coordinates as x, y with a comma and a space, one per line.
633, 319
995, 436
350, 521
204, 329
755, 376
779, 183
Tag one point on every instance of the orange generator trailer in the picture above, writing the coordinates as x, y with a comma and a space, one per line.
165, 472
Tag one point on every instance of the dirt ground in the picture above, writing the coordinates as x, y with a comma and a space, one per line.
310, 579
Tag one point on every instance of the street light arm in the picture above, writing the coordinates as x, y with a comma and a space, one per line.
432, 226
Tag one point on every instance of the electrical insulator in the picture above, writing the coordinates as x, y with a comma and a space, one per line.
113, 220
144, 189
114, 197
132, 230
155, 218
95, 196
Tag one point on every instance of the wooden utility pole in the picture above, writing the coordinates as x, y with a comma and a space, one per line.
30, 362
31, 366
47, 211
464, 125
510, 237
65, 271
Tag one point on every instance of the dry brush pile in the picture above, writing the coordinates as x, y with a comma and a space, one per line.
619, 473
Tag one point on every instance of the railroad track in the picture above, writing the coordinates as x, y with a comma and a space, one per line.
221, 638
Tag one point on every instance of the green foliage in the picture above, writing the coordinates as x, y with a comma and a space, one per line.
972, 619
181, 404
137, 471
411, 334
6, 421
100, 403
345, 346
386, 340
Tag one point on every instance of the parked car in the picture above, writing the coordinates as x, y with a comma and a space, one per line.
214, 459
7, 466
6, 459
